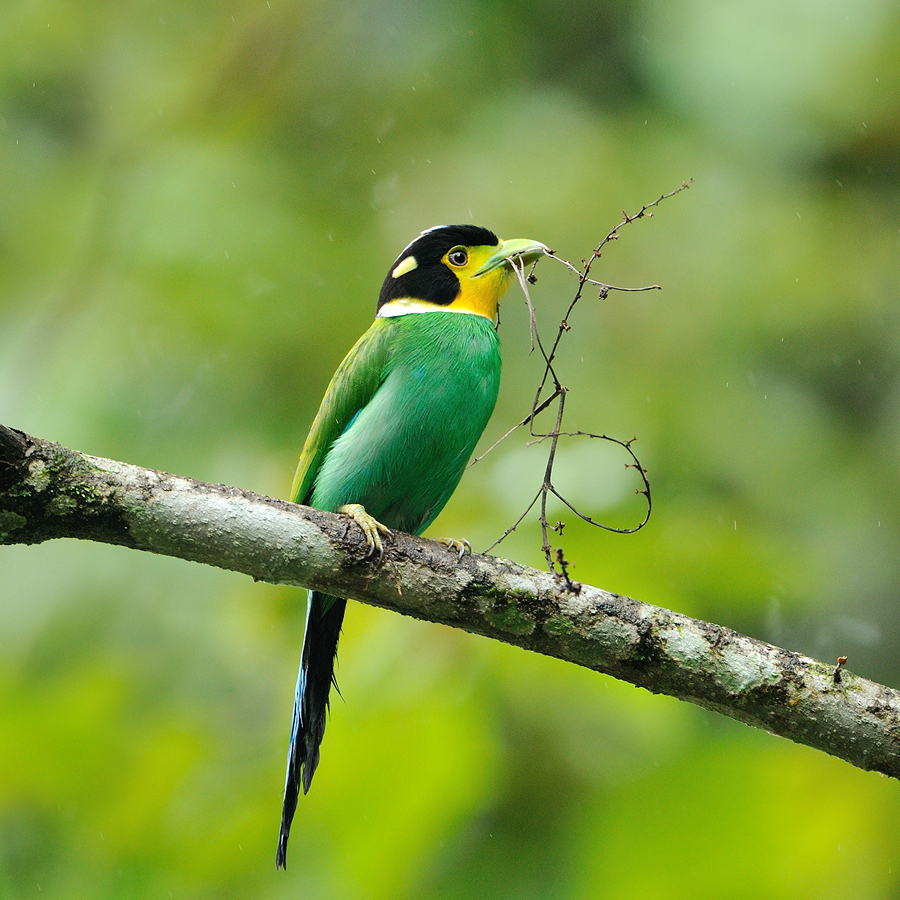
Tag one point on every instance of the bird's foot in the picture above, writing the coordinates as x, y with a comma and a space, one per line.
460, 547
372, 529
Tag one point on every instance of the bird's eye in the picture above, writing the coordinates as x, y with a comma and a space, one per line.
457, 257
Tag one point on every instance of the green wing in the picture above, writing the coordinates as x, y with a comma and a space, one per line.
352, 387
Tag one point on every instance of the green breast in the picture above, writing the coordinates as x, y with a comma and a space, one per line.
405, 452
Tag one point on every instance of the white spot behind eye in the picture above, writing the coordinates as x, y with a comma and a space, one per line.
407, 265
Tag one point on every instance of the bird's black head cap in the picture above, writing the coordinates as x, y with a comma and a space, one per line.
428, 278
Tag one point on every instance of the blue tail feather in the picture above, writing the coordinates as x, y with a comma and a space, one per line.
324, 616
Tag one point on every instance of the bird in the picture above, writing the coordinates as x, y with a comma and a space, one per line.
395, 430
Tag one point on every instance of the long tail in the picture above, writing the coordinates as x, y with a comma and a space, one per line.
324, 615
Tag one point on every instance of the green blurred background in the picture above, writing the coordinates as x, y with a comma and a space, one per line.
198, 202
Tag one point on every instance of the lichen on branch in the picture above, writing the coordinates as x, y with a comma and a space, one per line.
48, 491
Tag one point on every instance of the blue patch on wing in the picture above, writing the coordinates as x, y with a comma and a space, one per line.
355, 417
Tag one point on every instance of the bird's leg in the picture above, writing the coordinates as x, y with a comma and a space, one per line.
371, 527
460, 547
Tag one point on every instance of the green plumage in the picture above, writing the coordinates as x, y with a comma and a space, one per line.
394, 433
401, 418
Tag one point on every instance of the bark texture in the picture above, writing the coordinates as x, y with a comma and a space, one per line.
48, 491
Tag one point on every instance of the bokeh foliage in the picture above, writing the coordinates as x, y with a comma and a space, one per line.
198, 202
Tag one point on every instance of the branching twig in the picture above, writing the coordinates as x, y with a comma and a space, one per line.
559, 391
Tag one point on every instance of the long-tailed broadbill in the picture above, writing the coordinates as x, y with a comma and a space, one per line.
395, 430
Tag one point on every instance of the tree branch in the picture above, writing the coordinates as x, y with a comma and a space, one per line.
48, 491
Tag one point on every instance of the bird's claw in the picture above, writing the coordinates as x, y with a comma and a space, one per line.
372, 529
461, 547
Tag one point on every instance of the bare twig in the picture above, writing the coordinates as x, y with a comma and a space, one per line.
559, 391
